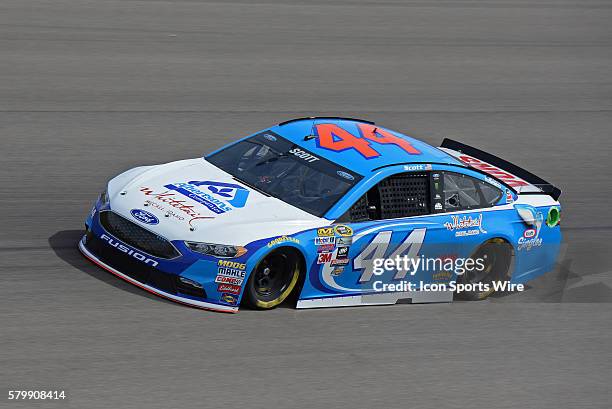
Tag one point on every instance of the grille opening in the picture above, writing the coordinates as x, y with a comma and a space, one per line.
136, 236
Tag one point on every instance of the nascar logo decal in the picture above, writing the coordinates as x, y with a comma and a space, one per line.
144, 216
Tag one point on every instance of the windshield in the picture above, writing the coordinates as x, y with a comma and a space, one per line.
286, 171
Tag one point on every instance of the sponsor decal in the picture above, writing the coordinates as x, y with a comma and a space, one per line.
229, 299
220, 279
230, 272
531, 237
344, 241
321, 241
500, 174
325, 231
171, 199
343, 230
308, 157
528, 244
465, 225
509, 197
168, 213
218, 197
144, 216
325, 248
127, 250
438, 206
336, 271
231, 264
417, 167
323, 258
340, 262
229, 288
283, 239
345, 175
342, 252
529, 233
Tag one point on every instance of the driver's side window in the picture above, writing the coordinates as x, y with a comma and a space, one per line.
401, 195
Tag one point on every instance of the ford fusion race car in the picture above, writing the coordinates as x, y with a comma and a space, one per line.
303, 209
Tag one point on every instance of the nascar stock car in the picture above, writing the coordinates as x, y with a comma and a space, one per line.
302, 209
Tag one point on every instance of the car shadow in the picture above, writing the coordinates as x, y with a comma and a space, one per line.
65, 246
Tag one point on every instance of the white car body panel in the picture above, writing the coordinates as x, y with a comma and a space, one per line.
261, 217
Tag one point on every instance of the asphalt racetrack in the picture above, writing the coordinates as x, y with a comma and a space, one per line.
89, 89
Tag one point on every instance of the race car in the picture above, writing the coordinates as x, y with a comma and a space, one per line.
311, 210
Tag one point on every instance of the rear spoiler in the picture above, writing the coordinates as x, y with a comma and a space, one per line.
522, 181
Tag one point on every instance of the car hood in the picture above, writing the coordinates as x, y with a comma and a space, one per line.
194, 200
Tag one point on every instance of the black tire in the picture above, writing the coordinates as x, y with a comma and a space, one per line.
497, 254
274, 279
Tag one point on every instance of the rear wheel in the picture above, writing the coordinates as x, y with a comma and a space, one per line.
497, 257
274, 278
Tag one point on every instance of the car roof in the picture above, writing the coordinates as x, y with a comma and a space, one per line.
359, 145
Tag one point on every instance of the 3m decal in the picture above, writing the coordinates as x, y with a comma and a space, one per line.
323, 258
335, 138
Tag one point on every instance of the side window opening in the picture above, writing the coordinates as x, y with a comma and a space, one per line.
462, 192
401, 195
404, 195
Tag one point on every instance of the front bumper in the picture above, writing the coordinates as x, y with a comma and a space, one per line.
167, 278
172, 297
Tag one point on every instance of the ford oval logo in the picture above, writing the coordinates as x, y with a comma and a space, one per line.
144, 216
269, 137
345, 175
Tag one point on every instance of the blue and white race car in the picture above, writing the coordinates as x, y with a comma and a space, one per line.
313, 209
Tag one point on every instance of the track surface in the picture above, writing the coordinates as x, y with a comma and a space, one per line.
91, 88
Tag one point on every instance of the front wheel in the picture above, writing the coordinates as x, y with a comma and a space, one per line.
273, 279
497, 256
